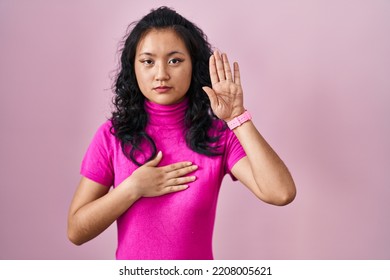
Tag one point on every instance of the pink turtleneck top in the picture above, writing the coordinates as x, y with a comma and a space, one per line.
173, 226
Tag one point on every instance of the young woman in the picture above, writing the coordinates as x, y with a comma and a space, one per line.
178, 127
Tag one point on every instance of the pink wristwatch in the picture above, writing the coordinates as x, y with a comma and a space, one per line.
237, 121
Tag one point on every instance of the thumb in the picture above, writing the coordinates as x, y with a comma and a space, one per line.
211, 94
154, 162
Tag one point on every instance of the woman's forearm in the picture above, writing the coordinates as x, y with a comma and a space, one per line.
93, 218
270, 173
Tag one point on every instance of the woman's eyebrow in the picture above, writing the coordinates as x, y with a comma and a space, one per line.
168, 54
146, 53
175, 52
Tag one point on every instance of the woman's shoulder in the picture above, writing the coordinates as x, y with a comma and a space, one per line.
107, 125
105, 130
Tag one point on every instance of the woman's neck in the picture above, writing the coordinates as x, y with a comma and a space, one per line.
167, 115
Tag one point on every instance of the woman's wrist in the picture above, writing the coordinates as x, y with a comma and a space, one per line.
132, 192
235, 113
239, 120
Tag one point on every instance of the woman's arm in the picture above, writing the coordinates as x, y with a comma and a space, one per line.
94, 208
262, 171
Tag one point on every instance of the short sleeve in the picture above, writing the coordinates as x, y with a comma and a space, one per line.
233, 152
97, 162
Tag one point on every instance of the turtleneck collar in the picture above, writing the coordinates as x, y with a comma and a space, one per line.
171, 115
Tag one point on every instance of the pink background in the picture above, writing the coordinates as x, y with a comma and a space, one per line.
315, 77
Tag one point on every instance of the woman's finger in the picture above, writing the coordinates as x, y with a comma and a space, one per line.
212, 96
154, 162
175, 166
220, 66
171, 189
181, 172
213, 70
226, 66
237, 77
181, 180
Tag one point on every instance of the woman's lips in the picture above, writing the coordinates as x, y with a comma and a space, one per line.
162, 89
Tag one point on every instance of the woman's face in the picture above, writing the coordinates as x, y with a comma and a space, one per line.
163, 67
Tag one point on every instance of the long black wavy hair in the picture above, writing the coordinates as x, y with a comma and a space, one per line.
129, 118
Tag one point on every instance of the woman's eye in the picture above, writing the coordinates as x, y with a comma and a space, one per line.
175, 61
147, 62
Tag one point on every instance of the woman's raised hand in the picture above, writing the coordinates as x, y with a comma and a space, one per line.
150, 180
226, 96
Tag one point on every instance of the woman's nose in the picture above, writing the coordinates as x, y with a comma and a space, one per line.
162, 73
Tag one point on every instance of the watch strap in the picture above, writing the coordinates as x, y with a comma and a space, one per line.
239, 120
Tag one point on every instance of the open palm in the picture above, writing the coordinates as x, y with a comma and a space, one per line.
226, 96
